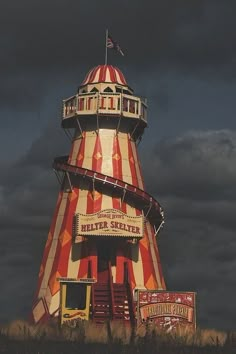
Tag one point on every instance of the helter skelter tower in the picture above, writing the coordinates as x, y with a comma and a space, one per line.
101, 246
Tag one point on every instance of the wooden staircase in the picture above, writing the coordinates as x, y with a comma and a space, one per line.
112, 301
101, 307
121, 304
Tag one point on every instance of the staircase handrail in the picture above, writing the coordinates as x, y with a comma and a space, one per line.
111, 291
92, 299
92, 289
130, 294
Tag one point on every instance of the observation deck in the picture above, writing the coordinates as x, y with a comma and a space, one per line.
103, 104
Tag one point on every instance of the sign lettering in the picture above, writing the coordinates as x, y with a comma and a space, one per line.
109, 222
169, 310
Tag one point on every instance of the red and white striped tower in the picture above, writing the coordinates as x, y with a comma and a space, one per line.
101, 178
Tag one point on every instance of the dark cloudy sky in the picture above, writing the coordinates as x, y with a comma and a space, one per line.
181, 55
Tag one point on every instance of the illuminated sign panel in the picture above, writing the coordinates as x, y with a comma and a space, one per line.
168, 310
109, 222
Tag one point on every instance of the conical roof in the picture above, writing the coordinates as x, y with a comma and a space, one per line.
105, 74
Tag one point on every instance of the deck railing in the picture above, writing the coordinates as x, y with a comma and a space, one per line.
105, 104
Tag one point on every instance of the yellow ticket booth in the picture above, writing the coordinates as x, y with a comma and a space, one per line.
75, 298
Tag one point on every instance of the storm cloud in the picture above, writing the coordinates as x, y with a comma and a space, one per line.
193, 176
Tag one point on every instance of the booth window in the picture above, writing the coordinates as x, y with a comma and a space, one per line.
76, 296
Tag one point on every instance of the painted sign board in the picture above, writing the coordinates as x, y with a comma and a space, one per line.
108, 222
169, 310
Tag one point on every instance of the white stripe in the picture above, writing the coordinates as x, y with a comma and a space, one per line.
119, 77
123, 143
96, 78
137, 168
137, 265
53, 302
107, 140
108, 75
75, 150
90, 140
74, 262
87, 77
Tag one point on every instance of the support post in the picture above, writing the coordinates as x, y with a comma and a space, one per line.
131, 135
118, 126
160, 226
68, 178
124, 192
58, 177
150, 207
97, 131
68, 134
79, 126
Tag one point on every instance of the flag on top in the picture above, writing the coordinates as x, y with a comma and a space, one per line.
113, 45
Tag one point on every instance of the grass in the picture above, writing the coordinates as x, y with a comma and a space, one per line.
19, 337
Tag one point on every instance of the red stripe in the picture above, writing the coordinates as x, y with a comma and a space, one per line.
90, 203
87, 77
80, 154
97, 156
115, 75
67, 218
65, 250
138, 212
112, 73
122, 78
137, 165
120, 259
132, 165
152, 243
102, 102
83, 267
94, 200
93, 74
102, 73
88, 253
116, 203
117, 170
148, 268
124, 207
116, 159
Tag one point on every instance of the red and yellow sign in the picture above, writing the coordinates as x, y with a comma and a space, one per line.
168, 310
74, 301
109, 222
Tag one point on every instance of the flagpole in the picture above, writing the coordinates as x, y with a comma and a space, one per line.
106, 47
